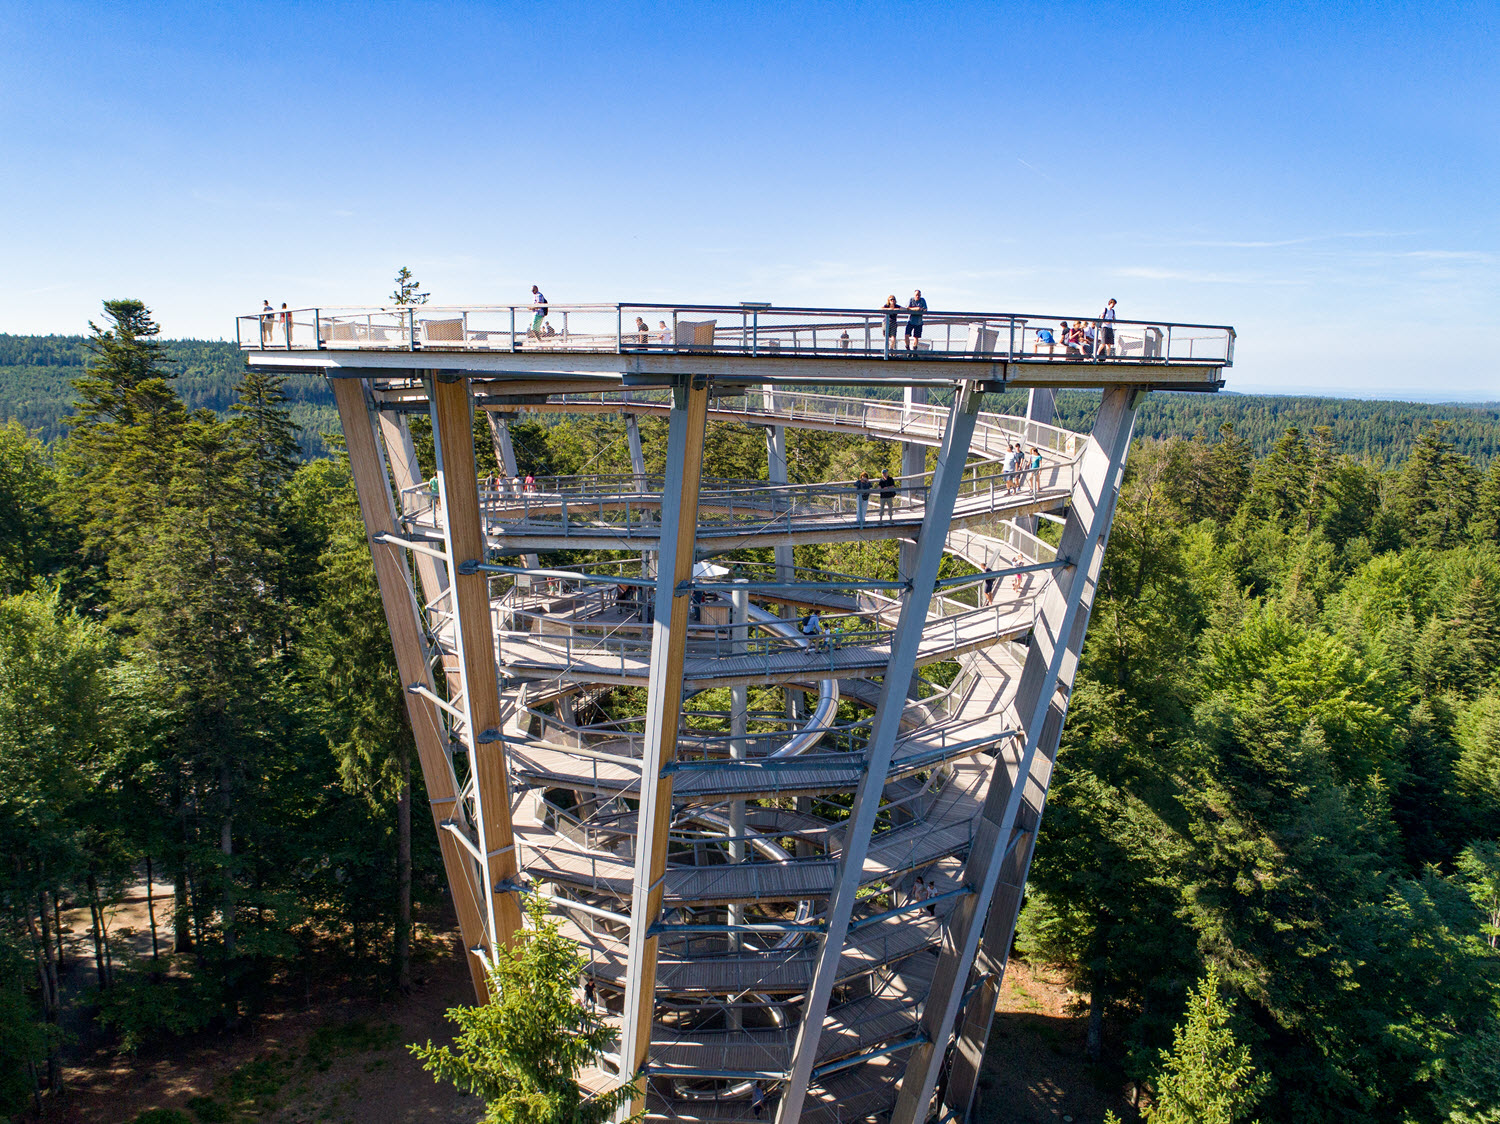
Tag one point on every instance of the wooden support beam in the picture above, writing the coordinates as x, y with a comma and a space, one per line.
463, 532
1018, 791
663, 704
404, 620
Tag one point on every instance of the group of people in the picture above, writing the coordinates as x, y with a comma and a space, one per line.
1081, 339
269, 319
515, 486
645, 334
921, 891
916, 308
864, 486
1019, 466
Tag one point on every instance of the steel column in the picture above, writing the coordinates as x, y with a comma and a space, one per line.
679, 514
1041, 704
884, 730
474, 642
402, 616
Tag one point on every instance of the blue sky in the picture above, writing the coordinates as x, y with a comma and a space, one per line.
1323, 177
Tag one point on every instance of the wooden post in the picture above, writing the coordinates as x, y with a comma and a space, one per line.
402, 617
463, 531
679, 526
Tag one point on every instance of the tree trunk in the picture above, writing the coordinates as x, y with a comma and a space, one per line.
226, 847
182, 917
151, 913
403, 876
51, 996
36, 1085
58, 928
1096, 1017
96, 914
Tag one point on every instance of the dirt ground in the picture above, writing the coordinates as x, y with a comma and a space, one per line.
344, 1059
1035, 1070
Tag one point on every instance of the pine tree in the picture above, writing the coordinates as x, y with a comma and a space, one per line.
127, 358
125, 431
1485, 526
408, 289
348, 655
523, 1051
1434, 494
1207, 1077
264, 427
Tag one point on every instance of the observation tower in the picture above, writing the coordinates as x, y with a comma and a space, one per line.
743, 881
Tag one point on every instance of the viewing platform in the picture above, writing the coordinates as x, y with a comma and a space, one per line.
745, 343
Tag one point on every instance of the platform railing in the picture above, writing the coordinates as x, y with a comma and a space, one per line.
895, 419
752, 330
753, 507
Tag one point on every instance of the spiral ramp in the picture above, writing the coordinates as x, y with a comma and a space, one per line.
741, 923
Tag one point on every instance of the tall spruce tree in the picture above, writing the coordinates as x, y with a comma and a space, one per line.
347, 654
124, 434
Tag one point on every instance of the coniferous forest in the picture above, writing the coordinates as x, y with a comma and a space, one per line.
1280, 772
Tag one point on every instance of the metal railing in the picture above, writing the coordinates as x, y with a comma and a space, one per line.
761, 330
917, 421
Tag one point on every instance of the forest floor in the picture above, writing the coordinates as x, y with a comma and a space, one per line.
1036, 1070
343, 1058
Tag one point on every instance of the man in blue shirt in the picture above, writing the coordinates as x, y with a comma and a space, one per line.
914, 321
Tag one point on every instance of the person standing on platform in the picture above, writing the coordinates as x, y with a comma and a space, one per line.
538, 306
890, 322
1108, 316
757, 1099
642, 331
286, 325
1036, 470
664, 333
268, 322
887, 495
862, 488
917, 305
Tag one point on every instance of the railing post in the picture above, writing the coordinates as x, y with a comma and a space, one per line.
318, 327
